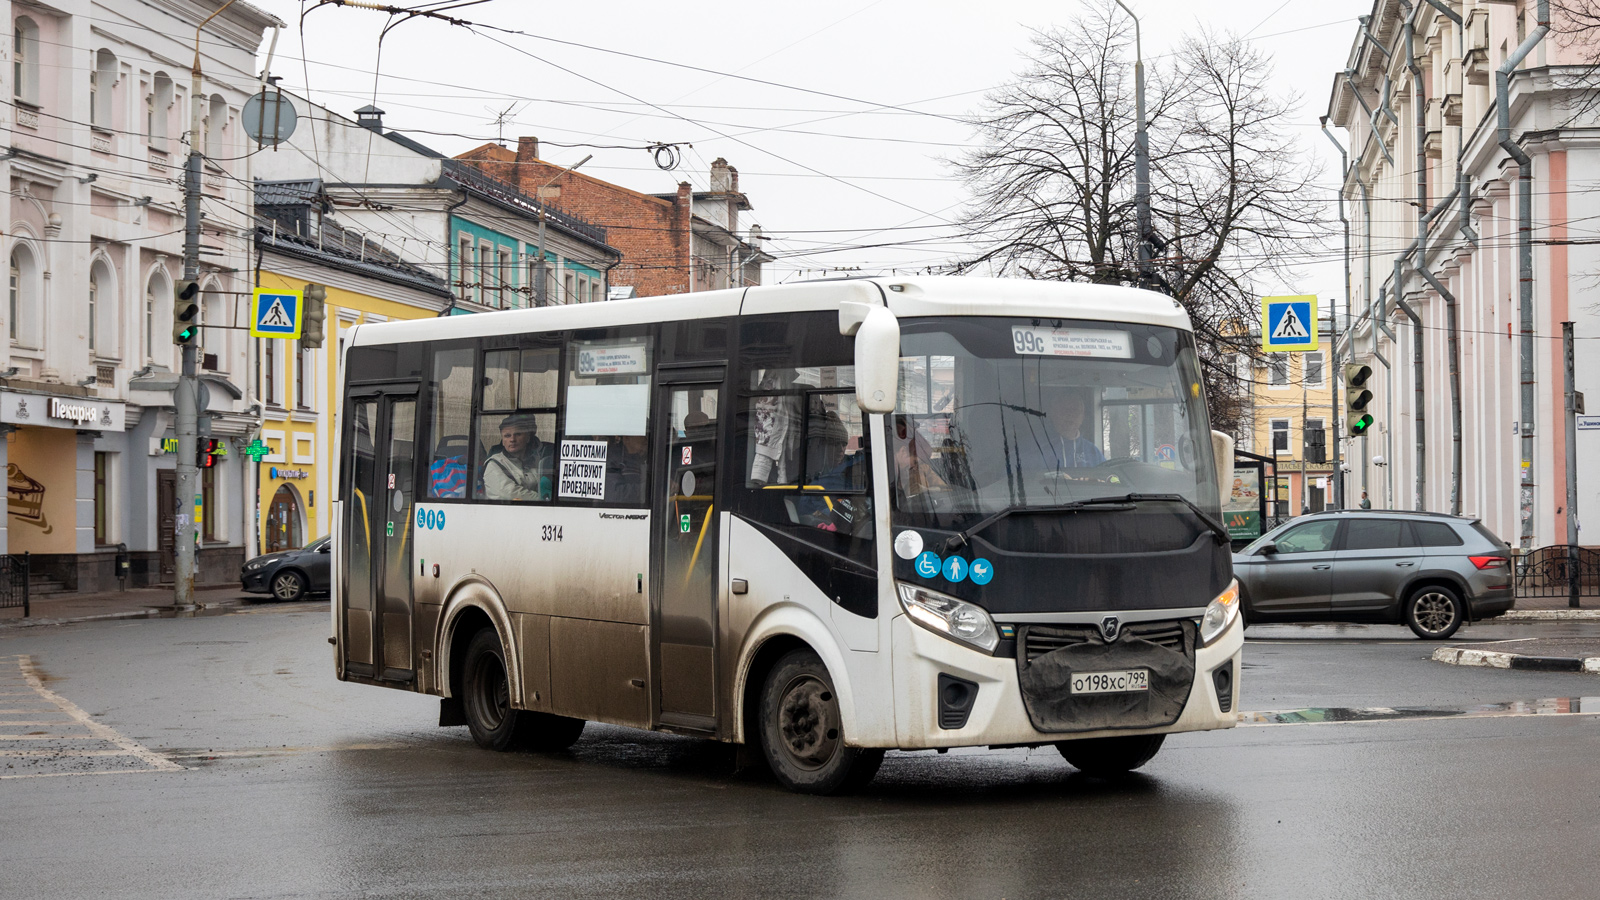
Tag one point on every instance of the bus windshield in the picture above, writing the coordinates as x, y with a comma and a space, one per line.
997, 414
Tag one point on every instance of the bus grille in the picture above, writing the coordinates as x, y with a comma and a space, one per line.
1041, 639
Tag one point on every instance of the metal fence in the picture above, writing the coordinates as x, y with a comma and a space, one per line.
14, 582
1559, 571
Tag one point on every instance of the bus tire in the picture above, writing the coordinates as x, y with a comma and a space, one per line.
1109, 757
801, 733
546, 732
486, 693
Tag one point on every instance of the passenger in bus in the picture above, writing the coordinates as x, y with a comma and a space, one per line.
625, 469
447, 476
832, 468
1073, 449
520, 468
913, 460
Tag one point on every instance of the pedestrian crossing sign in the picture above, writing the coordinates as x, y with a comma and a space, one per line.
1289, 324
275, 314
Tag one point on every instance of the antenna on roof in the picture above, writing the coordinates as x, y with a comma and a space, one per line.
501, 117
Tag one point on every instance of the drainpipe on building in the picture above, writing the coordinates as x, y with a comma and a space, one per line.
1372, 115
1420, 415
1419, 105
1502, 90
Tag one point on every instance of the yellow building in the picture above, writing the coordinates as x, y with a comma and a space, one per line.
298, 388
1289, 392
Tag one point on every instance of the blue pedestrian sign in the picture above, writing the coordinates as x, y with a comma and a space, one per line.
1289, 324
275, 314
955, 569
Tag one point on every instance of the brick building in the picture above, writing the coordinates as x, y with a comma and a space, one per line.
671, 243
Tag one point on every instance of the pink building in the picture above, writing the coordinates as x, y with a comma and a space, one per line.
1438, 149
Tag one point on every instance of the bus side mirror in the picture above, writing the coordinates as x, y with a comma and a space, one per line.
1222, 449
877, 360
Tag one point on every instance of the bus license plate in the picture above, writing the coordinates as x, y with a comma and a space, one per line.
1111, 682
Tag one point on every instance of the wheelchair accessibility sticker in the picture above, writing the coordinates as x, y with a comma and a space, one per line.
928, 564
430, 518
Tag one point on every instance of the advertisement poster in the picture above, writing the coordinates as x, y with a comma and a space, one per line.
1241, 511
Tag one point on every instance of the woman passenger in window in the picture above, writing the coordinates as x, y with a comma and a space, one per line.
520, 468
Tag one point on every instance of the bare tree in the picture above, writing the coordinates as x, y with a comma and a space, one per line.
1053, 181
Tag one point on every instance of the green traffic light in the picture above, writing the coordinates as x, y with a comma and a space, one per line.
1360, 425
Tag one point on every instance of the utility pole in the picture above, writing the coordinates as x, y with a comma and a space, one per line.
1574, 575
187, 393
540, 289
1141, 157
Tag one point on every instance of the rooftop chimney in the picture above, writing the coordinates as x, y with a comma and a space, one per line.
527, 151
721, 177
370, 116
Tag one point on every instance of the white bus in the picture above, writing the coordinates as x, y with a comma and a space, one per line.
822, 519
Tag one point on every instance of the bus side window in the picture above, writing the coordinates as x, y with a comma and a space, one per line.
450, 423
517, 424
603, 455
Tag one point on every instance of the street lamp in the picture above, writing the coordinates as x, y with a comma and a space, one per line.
1141, 155
542, 193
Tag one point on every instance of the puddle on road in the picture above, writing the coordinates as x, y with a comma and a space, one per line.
1328, 715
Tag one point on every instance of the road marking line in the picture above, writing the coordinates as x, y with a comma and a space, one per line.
64, 774
97, 731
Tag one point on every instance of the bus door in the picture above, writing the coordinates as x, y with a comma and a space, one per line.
380, 459
688, 418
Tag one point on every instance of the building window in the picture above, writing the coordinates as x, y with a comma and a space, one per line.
1313, 369
16, 295
505, 276
1278, 370
94, 289
485, 270
149, 322
25, 60
1280, 436
101, 82
102, 498
302, 360
216, 121
269, 371
570, 284
208, 502
159, 102
463, 260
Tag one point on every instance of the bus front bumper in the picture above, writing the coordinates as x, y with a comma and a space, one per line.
997, 715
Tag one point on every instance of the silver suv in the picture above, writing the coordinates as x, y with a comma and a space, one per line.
1429, 570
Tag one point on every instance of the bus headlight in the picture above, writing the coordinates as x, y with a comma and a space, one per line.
1220, 614
945, 615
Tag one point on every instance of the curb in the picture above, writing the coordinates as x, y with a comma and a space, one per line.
149, 612
1460, 656
1547, 615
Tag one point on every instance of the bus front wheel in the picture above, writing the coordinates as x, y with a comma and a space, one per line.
486, 693
801, 732
1109, 757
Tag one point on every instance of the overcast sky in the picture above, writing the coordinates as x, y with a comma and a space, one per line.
830, 177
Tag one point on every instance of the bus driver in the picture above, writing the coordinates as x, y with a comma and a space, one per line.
1066, 416
518, 469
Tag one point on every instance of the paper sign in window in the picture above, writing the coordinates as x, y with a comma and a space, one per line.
607, 410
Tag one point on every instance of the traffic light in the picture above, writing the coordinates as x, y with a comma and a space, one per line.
209, 450
185, 313
313, 316
1357, 420
1316, 445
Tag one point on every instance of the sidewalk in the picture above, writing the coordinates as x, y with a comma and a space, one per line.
57, 609
1548, 654
1547, 608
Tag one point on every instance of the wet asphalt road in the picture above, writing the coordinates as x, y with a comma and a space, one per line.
260, 776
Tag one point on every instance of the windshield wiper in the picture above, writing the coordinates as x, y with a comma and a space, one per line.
1097, 504
1106, 504
1004, 405
1217, 528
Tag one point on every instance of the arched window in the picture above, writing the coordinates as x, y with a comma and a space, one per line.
157, 309
26, 286
213, 315
102, 79
25, 60
216, 122
103, 325
158, 106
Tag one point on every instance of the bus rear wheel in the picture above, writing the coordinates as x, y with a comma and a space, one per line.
801, 732
486, 693
1109, 757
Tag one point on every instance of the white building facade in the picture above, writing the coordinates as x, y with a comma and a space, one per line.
1455, 329
96, 121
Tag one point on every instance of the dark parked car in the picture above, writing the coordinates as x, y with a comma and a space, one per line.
290, 574
1431, 571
